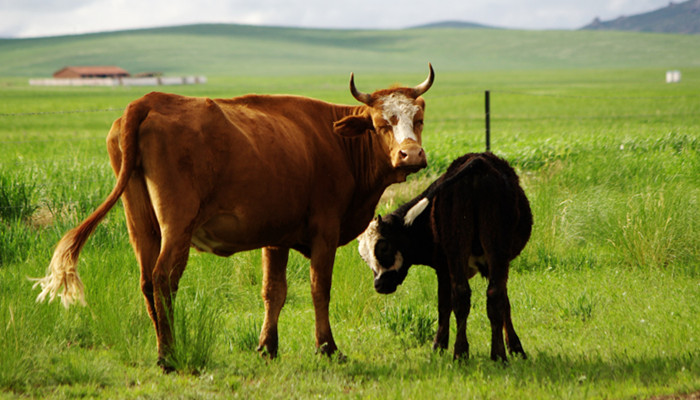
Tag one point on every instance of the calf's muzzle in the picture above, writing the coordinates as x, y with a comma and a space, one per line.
386, 282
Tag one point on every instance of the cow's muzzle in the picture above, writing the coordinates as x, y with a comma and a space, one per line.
410, 157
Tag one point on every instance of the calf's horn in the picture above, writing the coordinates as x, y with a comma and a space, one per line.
423, 87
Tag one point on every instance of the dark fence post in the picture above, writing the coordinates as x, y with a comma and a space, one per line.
487, 101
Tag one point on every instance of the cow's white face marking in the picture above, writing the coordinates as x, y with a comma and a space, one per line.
367, 243
399, 111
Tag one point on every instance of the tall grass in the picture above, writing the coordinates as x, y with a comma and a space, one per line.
195, 330
16, 201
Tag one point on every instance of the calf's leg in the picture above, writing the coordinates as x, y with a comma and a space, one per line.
442, 336
512, 339
274, 294
461, 305
496, 302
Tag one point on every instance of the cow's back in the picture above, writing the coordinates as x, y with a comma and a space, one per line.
256, 167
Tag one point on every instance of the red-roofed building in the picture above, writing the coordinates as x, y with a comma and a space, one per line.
91, 72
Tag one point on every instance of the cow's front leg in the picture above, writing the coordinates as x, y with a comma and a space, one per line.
274, 294
322, 258
442, 336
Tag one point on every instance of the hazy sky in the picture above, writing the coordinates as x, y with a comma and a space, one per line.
32, 18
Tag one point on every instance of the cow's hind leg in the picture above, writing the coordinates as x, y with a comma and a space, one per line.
274, 294
176, 229
166, 278
144, 232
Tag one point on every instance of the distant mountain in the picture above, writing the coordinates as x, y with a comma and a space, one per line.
453, 24
675, 18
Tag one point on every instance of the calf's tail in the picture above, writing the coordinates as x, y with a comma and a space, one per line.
62, 278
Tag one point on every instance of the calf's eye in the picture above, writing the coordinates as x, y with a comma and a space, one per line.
384, 252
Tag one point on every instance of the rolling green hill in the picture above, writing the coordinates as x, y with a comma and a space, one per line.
236, 50
675, 18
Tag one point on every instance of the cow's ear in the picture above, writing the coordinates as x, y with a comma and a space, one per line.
353, 125
415, 211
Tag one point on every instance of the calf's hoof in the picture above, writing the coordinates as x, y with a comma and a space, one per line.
519, 353
499, 357
165, 365
461, 351
517, 350
440, 346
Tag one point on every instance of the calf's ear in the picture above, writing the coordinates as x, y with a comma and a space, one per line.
415, 211
353, 125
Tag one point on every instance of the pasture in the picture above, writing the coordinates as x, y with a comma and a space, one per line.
605, 297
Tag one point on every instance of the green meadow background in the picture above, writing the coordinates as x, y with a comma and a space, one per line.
605, 297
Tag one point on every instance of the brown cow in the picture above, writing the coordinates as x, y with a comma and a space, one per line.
229, 175
474, 218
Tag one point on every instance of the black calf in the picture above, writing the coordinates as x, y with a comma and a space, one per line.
474, 218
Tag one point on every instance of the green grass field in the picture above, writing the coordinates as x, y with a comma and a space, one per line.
605, 297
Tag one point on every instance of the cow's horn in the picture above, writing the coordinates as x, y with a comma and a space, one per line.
359, 96
423, 87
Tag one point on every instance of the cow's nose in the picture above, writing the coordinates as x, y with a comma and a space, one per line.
407, 155
410, 156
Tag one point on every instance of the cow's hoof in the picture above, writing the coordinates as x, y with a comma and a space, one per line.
267, 352
327, 349
331, 352
340, 357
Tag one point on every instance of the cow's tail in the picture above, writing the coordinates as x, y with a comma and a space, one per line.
62, 279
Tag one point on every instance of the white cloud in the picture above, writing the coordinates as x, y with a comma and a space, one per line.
25, 18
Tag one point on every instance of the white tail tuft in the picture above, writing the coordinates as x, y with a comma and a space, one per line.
415, 211
61, 274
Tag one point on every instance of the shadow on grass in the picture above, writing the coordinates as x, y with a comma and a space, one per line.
540, 367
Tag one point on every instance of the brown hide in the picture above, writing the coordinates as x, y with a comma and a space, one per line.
251, 177
228, 175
